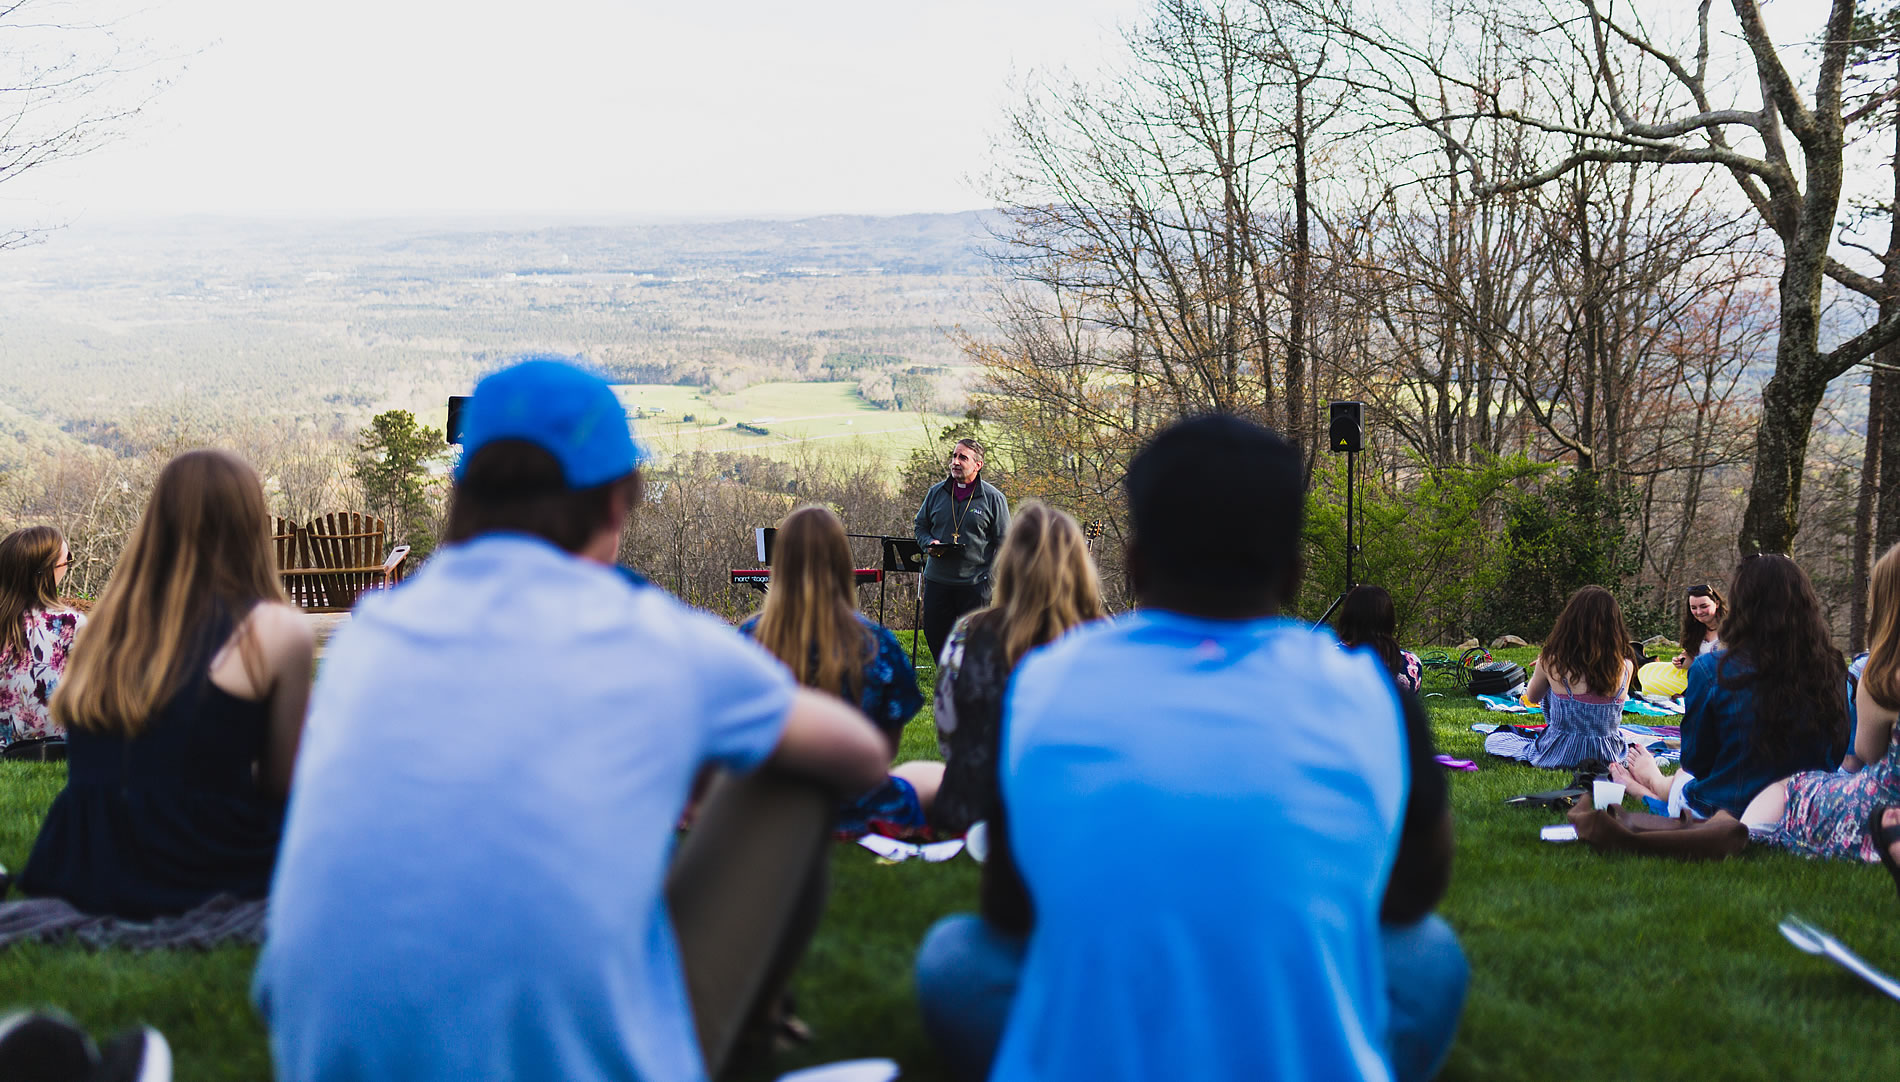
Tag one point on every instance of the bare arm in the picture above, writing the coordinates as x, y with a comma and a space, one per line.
829, 741
1539, 686
1876, 726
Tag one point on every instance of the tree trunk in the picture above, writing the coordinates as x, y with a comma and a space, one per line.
1788, 404
1864, 517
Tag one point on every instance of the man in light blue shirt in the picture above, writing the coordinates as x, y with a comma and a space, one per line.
474, 876
1207, 803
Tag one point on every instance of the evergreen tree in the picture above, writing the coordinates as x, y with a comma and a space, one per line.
392, 464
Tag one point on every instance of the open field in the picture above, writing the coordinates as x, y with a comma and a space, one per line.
1582, 966
791, 414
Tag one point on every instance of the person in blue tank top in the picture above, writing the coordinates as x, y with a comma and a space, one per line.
1231, 831
183, 706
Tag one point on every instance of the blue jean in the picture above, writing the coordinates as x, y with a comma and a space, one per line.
966, 980
967, 973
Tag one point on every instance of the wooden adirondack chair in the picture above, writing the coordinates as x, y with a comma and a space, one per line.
328, 563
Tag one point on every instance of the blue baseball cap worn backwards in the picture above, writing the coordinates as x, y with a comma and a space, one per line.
562, 409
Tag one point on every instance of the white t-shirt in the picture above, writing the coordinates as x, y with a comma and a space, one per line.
471, 878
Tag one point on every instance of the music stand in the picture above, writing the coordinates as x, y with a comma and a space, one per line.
902, 555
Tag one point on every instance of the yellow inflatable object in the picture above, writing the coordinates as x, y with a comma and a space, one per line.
1663, 678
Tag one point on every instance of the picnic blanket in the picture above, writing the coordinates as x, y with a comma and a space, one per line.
220, 921
1506, 704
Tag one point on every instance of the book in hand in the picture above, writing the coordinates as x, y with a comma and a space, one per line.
944, 550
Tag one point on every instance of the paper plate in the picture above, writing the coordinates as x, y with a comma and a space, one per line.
856, 1070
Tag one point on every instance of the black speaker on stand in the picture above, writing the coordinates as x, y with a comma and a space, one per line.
1346, 434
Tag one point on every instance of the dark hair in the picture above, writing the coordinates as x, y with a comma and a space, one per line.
1589, 643
1367, 618
517, 486
29, 562
1693, 629
1215, 505
1775, 628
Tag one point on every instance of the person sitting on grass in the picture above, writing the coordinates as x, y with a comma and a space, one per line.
183, 709
1367, 618
811, 623
479, 876
1772, 701
1228, 882
1581, 680
1826, 813
966, 966
1702, 613
36, 632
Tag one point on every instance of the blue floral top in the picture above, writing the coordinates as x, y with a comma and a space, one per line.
889, 696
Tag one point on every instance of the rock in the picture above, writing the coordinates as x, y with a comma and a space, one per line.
1468, 644
1503, 641
1658, 640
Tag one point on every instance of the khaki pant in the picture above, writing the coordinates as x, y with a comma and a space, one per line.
746, 891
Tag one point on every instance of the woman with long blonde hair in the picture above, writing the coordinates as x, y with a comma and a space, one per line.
1045, 584
811, 623
36, 632
1824, 813
183, 706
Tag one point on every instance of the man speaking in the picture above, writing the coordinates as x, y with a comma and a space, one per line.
960, 527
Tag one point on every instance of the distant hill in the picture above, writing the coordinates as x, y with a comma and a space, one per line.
326, 322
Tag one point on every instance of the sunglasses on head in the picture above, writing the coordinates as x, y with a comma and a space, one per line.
1700, 589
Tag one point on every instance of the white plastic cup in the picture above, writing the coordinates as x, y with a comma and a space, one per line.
976, 841
1605, 794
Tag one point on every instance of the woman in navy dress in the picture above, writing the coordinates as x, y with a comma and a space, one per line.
183, 707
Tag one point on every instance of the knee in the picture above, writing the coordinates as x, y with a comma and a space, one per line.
1426, 979
966, 982
944, 956
1428, 958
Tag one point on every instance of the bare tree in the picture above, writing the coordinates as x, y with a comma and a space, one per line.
73, 83
1783, 152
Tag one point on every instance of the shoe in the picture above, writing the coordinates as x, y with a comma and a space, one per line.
1883, 837
40, 1047
137, 1055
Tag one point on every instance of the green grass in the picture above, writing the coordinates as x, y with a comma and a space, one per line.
1583, 966
825, 414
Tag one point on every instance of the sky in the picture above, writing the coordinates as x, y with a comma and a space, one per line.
581, 107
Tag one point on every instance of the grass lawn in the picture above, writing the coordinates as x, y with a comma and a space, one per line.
1582, 966
826, 414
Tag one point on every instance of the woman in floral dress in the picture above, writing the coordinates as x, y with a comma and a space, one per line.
1825, 813
36, 632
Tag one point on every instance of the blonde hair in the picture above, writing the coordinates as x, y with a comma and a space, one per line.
1881, 677
201, 553
29, 562
1044, 583
810, 619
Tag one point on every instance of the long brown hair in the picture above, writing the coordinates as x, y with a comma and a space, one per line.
1589, 643
1775, 629
1368, 618
29, 562
1693, 630
1044, 583
1881, 678
810, 619
201, 554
